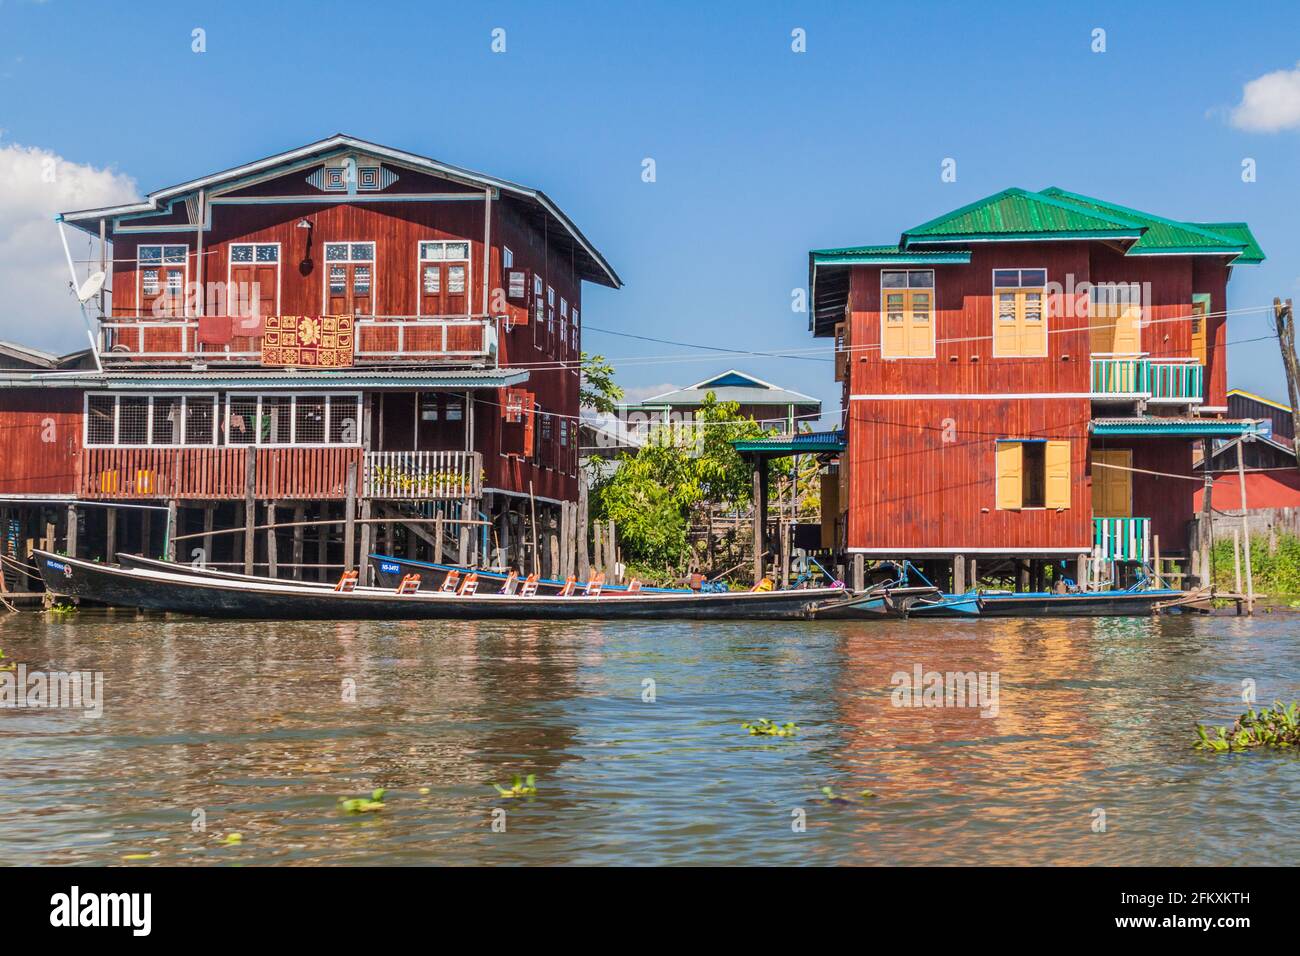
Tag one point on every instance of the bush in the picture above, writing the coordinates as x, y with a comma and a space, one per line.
1274, 574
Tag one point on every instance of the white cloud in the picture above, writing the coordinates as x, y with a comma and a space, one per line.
1270, 103
639, 393
35, 186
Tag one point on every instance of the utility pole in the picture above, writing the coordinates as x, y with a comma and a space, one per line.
1285, 321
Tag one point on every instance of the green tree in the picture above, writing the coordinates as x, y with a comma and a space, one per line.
598, 389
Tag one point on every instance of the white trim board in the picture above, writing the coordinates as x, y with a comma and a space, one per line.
904, 552
972, 396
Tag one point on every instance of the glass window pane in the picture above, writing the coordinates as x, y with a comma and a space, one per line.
336, 252
149, 282
200, 415
363, 251
455, 410
101, 411
133, 420
166, 420
430, 251
428, 406
150, 254
921, 279
456, 279
893, 280
361, 280
268, 253
338, 280
432, 280
241, 253
174, 254
921, 302
310, 417
458, 250
1033, 278
1033, 307
1007, 307
1006, 278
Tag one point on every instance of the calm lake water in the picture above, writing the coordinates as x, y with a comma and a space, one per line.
247, 722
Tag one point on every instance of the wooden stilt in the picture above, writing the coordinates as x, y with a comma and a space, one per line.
350, 520
209, 519
272, 544
1245, 533
169, 550
250, 507
110, 535
366, 532
584, 559
71, 531
322, 546
299, 515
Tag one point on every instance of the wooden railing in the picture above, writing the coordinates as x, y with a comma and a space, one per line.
216, 473
1179, 380
1121, 539
150, 340
423, 475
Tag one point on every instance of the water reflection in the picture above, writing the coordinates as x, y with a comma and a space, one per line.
633, 732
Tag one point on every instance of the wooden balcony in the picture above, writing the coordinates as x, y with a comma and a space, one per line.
1176, 381
216, 473
1121, 539
380, 340
423, 475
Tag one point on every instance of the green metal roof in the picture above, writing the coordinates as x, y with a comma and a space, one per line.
1252, 255
1184, 427
1160, 236
805, 443
1019, 214
886, 255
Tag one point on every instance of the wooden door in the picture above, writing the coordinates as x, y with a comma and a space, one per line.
253, 295
349, 289
1200, 310
1112, 487
1019, 323
908, 327
443, 288
162, 289
1128, 330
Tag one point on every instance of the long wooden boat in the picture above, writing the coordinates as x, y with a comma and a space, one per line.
877, 603
136, 561
390, 570
213, 596
1046, 604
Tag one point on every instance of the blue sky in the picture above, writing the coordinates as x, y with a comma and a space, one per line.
761, 153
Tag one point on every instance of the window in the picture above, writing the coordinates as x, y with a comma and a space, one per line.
443, 278
246, 252
1112, 483
1020, 318
564, 308
150, 420
1032, 474
907, 314
442, 251
349, 278
162, 273
293, 419
507, 258
1115, 318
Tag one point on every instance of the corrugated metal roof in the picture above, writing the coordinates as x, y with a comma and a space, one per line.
885, 255
729, 386
1190, 427
1160, 236
1252, 254
1018, 213
804, 443
270, 378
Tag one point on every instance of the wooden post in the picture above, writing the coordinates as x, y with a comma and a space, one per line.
110, 534
1284, 322
1022, 576
462, 557
322, 544
1207, 524
959, 574
611, 542
209, 518
364, 558
972, 573
759, 495
532, 502
584, 559
438, 532
1245, 531
299, 516
169, 552
250, 507
1081, 572
859, 572
272, 545
1236, 559
72, 531
350, 520
598, 549
1155, 559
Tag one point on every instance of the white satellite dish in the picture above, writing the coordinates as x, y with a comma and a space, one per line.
90, 288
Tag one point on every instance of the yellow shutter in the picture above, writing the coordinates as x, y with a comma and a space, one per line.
920, 313
1056, 492
1010, 479
1032, 316
1112, 487
1006, 324
1199, 310
1128, 338
893, 342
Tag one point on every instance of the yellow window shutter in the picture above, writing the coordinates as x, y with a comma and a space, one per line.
1005, 324
1010, 467
1057, 487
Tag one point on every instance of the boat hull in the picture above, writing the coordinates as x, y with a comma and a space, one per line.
209, 596
389, 571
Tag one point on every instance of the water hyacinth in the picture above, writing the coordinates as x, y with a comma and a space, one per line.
362, 804
834, 797
523, 787
1276, 727
765, 728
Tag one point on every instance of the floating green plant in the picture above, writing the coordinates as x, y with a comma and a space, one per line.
232, 839
62, 607
834, 797
132, 857
765, 728
523, 787
3, 665
1277, 727
374, 803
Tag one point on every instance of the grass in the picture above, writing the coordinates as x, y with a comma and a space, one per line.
1274, 574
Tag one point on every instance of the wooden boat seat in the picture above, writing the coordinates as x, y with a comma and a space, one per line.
512, 582
594, 585
468, 586
450, 581
633, 586
530, 586
348, 582
569, 584
410, 584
